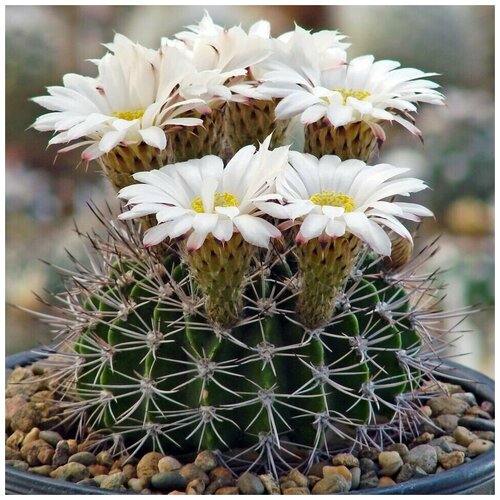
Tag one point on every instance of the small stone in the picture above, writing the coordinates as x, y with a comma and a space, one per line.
385, 481
356, 477
114, 481
313, 480
479, 446
317, 468
342, 470
299, 478
447, 422
227, 490
296, 491
458, 447
464, 436
105, 458
488, 406
148, 465
476, 411
61, 454
331, 484
423, 456
169, 464
12, 407
17, 464
130, 471
390, 463
88, 482
99, 479
41, 470
368, 480
146, 491
367, 465
195, 487
442, 405
136, 485
72, 472
477, 424
468, 397
26, 418
250, 484
32, 435
83, 457
424, 438
446, 446
371, 453
15, 440
98, 470
288, 484
168, 481
51, 437
191, 471
347, 459
73, 446
206, 460
488, 435
439, 470
426, 410
221, 473
33, 451
270, 484
450, 460
406, 473
11, 454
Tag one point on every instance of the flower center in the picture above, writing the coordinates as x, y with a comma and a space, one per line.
361, 95
220, 200
334, 200
129, 115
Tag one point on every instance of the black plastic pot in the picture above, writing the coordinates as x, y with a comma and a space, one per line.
475, 477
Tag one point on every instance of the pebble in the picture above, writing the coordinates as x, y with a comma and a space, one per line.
356, 477
72, 472
12, 407
288, 484
100, 479
296, 491
423, 456
168, 464
61, 454
191, 471
299, 478
390, 463
51, 437
477, 424
168, 481
371, 453
341, 470
114, 481
409, 471
468, 397
442, 405
227, 490
17, 464
148, 465
270, 484
88, 482
15, 440
488, 406
447, 422
450, 460
136, 484
98, 470
221, 474
206, 460
105, 458
83, 457
37, 453
331, 484
488, 435
313, 480
368, 480
476, 411
424, 438
385, 481
195, 487
317, 468
347, 459
367, 465
464, 436
250, 484
130, 471
426, 410
32, 435
11, 454
479, 446
26, 418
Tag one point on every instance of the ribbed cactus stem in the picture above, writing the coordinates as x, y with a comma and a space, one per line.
123, 161
205, 139
352, 141
401, 252
324, 268
251, 122
220, 269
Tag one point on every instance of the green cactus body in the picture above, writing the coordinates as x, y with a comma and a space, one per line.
155, 369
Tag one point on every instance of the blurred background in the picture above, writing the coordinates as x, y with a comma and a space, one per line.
45, 193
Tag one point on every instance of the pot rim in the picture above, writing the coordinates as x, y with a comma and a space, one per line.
466, 474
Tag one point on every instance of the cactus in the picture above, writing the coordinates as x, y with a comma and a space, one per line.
141, 360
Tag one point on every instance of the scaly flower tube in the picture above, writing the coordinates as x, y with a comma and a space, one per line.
335, 207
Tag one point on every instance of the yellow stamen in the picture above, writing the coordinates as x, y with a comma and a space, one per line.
357, 94
334, 200
220, 200
129, 115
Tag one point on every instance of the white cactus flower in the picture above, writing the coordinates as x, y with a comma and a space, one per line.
202, 197
129, 102
329, 198
361, 90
